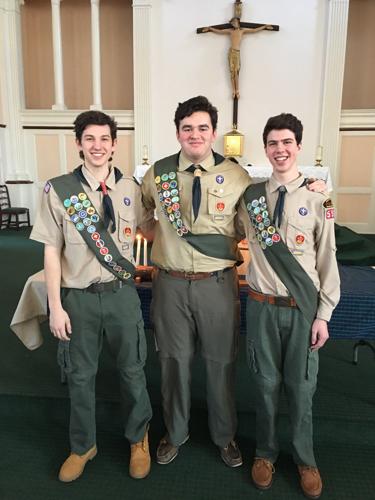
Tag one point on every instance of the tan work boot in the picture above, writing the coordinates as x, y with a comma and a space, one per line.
140, 460
262, 472
311, 482
74, 465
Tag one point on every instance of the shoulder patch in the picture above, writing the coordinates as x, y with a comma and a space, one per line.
328, 203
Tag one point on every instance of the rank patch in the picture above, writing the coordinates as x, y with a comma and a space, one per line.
300, 239
220, 206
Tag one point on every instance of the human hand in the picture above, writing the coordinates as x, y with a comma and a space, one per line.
59, 323
317, 185
319, 334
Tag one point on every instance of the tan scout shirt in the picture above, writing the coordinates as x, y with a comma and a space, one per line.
79, 266
308, 230
222, 187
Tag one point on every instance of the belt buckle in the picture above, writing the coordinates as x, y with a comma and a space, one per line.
284, 301
188, 275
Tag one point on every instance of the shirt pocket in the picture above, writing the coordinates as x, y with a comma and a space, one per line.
127, 226
72, 234
220, 205
300, 232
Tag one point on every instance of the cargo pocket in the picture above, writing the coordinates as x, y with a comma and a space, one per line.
63, 359
251, 356
142, 344
312, 362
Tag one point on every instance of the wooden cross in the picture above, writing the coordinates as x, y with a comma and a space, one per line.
236, 29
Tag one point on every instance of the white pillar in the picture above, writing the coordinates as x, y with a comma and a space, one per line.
142, 77
95, 49
57, 57
12, 90
333, 82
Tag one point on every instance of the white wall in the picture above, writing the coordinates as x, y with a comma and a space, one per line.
280, 71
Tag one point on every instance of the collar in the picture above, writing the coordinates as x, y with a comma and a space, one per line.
184, 163
290, 186
87, 178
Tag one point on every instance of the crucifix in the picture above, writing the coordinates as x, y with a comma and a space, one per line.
236, 30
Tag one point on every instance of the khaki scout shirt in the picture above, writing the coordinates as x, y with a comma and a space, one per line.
79, 266
222, 187
307, 228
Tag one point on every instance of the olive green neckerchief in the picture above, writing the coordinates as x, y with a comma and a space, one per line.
218, 246
288, 269
86, 220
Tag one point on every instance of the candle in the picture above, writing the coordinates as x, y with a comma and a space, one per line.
138, 254
144, 252
319, 153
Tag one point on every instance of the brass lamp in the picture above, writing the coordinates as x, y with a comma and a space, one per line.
233, 143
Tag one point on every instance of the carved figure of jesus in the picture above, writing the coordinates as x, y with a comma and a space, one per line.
236, 33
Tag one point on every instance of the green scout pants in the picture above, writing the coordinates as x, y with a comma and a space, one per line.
117, 315
189, 316
278, 352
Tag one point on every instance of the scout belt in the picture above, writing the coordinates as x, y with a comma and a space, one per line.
278, 255
86, 220
214, 245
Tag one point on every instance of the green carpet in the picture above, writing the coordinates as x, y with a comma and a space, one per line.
34, 410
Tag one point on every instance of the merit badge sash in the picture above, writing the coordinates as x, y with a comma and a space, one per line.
86, 220
278, 255
213, 245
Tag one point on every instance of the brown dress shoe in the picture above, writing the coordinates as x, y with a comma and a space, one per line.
311, 482
262, 472
140, 460
74, 465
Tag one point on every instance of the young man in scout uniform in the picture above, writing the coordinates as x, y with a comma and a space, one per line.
195, 289
87, 222
294, 287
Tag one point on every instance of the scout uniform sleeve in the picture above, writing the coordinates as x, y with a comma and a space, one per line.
145, 218
48, 226
148, 186
326, 263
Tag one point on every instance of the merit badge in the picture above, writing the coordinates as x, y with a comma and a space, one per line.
95, 236
220, 206
276, 238
303, 211
90, 210
172, 175
127, 231
165, 186
108, 257
219, 179
254, 203
74, 199
173, 184
78, 206
330, 213
75, 218
300, 239
70, 211
127, 201
94, 217
99, 243
91, 229
80, 226
104, 250
169, 209
87, 221
157, 179
82, 196
86, 203
82, 214
67, 203
164, 177
47, 187
262, 199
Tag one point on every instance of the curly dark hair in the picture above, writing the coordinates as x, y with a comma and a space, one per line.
199, 103
281, 122
87, 118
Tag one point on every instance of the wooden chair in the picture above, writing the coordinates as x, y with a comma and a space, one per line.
10, 216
